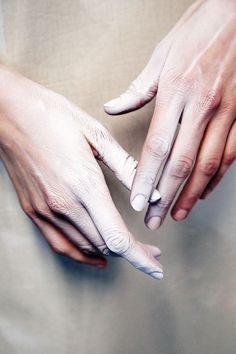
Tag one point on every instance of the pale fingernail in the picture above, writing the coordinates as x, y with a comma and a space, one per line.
155, 196
154, 222
112, 103
157, 275
180, 214
139, 202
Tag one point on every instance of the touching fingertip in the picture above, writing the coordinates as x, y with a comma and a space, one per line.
138, 202
155, 196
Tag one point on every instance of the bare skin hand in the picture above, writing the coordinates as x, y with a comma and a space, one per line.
192, 74
48, 147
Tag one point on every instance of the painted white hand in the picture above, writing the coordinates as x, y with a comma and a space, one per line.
192, 74
48, 146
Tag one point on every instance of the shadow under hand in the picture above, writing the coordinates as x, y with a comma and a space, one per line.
74, 271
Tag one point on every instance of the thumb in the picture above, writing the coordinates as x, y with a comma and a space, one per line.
143, 89
135, 97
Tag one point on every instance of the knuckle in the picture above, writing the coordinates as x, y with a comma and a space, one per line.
191, 199
189, 79
100, 135
227, 109
27, 207
118, 241
145, 178
189, 82
105, 250
209, 167
85, 189
172, 76
181, 168
90, 250
178, 82
40, 209
141, 90
209, 101
164, 204
29, 210
229, 158
103, 134
158, 146
58, 204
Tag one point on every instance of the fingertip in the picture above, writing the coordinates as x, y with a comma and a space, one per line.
138, 202
153, 223
100, 263
112, 106
157, 272
179, 214
157, 275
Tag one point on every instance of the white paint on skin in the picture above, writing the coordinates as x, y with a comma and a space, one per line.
54, 171
198, 88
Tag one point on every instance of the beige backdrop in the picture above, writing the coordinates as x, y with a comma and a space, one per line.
90, 50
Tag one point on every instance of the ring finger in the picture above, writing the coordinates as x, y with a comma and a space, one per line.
207, 163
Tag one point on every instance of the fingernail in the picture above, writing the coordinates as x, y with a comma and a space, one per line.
157, 275
155, 196
139, 202
112, 103
154, 222
180, 214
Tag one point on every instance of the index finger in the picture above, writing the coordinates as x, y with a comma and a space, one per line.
116, 235
156, 148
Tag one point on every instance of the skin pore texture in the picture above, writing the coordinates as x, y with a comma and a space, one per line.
193, 77
49, 148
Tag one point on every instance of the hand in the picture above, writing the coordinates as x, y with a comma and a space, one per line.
48, 147
192, 73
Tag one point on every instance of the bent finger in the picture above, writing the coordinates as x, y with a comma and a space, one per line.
228, 159
61, 245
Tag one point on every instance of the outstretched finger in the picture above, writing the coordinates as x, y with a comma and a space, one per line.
116, 235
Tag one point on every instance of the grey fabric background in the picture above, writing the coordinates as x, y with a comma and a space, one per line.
90, 50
